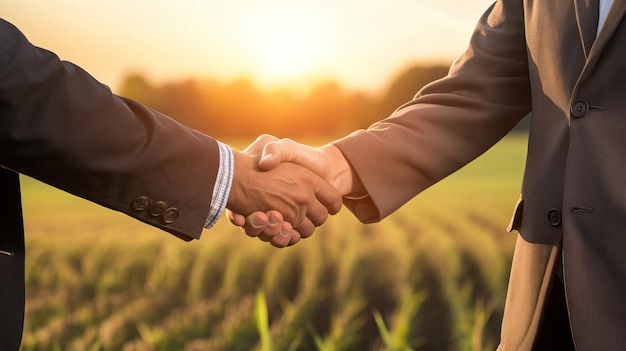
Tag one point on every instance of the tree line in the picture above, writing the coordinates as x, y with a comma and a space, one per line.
240, 110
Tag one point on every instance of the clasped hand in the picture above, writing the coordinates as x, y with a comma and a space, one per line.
282, 189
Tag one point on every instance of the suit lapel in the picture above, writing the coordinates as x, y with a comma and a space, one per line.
613, 19
587, 20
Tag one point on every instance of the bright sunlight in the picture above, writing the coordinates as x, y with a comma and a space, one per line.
281, 53
288, 44
273, 43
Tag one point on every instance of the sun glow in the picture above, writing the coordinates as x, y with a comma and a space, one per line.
274, 43
282, 53
285, 46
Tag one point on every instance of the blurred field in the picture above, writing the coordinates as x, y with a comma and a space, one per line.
430, 277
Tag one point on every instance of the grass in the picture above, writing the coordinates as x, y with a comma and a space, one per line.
430, 277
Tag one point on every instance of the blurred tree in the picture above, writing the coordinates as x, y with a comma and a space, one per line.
137, 87
404, 87
323, 109
182, 101
362, 111
240, 110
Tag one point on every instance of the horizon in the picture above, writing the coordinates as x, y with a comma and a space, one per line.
275, 44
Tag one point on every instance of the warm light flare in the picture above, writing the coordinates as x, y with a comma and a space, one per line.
282, 53
288, 45
361, 44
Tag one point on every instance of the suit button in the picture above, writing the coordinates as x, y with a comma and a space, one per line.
141, 203
554, 216
579, 108
171, 215
158, 208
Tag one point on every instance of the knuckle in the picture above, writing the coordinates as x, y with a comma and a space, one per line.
320, 218
277, 244
265, 138
307, 233
336, 206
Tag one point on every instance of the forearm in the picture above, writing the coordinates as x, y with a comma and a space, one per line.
450, 122
61, 126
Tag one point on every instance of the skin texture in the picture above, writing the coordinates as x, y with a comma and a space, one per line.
294, 199
327, 162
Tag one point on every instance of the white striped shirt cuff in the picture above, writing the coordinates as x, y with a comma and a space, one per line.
221, 190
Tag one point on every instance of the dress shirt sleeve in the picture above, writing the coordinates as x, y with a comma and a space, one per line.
223, 183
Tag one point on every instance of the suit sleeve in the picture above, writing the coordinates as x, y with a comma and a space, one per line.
450, 122
61, 126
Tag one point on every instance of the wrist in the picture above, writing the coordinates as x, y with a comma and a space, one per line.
241, 163
342, 176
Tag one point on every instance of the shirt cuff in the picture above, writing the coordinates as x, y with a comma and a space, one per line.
223, 182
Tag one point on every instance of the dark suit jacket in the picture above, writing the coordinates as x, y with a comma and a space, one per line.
527, 56
59, 125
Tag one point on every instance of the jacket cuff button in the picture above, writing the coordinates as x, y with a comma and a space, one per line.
171, 215
157, 208
141, 203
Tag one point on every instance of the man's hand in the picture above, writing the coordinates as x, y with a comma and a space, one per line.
328, 162
287, 194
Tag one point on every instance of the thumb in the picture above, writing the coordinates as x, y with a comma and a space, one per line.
271, 156
259, 143
287, 150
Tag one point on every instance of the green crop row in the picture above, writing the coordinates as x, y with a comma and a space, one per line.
430, 277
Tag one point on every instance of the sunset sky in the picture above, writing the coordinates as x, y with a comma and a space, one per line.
362, 44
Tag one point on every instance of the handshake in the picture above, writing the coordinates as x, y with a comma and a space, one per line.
281, 190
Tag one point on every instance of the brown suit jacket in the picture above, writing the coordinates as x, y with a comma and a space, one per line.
524, 57
59, 125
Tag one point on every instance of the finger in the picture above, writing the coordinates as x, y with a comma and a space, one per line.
286, 227
287, 150
284, 236
305, 228
236, 219
317, 214
273, 227
255, 224
325, 200
328, 196
264, 238
258, 144
275, 218
295, 237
